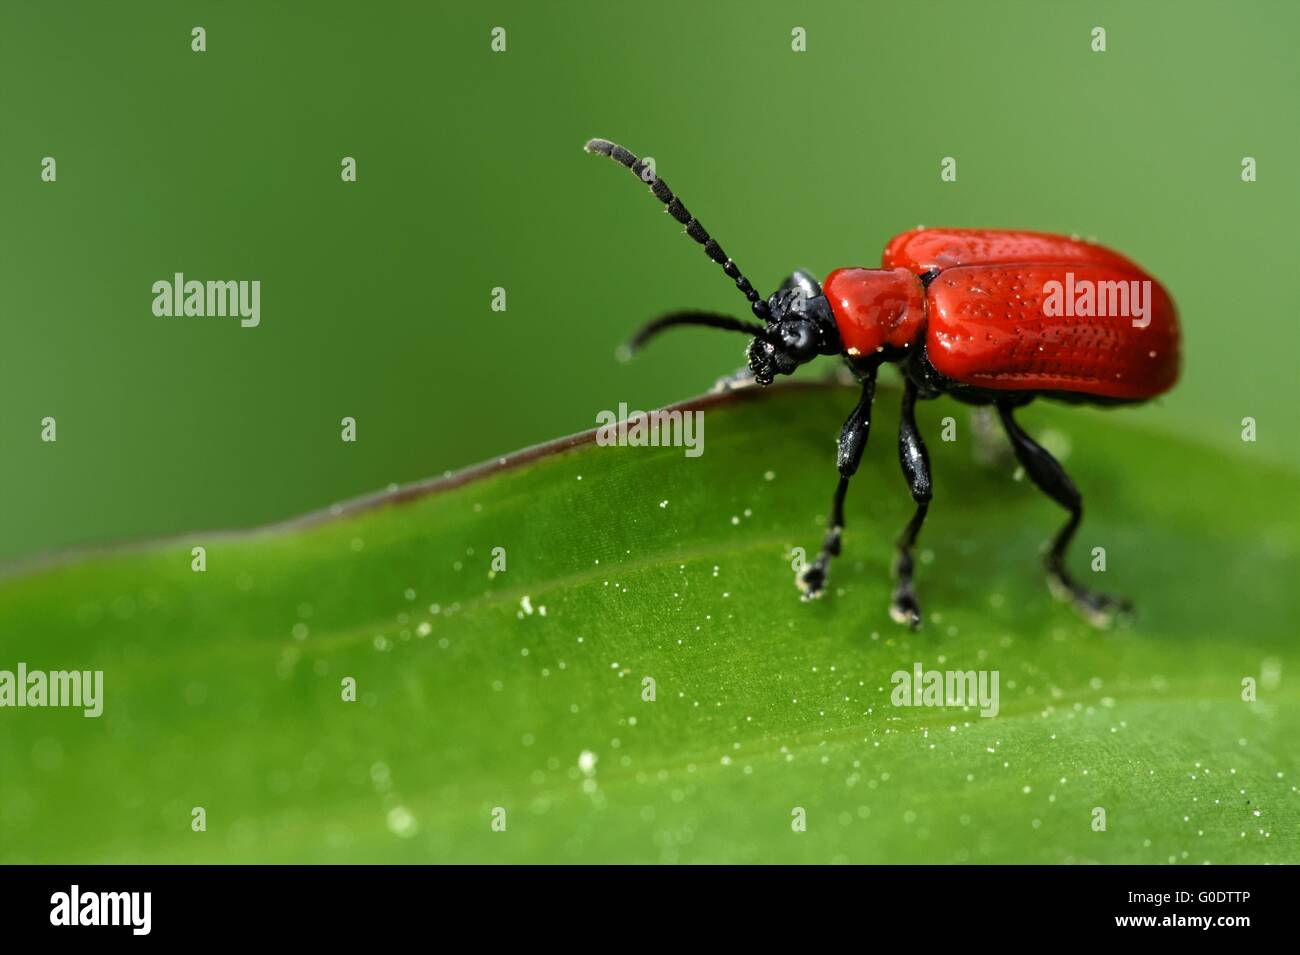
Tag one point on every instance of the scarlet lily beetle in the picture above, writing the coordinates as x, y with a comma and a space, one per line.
990, 317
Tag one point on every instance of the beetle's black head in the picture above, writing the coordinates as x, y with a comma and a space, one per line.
799, 327
798, 324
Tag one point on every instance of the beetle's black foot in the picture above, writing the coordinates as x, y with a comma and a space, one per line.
1097, 608
812, 581
903, 607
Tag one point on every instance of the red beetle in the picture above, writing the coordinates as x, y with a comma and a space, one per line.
986, 316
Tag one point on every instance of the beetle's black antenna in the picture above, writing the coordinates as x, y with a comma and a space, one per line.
679, 212
705, 319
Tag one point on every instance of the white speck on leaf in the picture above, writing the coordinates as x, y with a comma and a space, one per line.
402, 823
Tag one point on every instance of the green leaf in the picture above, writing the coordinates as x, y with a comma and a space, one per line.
223, 688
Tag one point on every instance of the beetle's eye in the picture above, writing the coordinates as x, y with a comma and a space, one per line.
799, 340
779, 303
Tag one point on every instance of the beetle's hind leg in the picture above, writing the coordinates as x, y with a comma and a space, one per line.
915, 461
1045, 471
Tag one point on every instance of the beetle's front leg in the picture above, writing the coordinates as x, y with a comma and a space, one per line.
853, 439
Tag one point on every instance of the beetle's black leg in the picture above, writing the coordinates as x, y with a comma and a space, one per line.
813, 579
1047, 473
916, 468
853, 439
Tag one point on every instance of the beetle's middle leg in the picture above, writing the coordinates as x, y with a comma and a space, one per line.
853, 439
1045, 471
916, 468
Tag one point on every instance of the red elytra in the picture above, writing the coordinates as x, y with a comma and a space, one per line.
989, 313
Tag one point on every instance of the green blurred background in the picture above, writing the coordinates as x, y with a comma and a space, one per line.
375, 294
